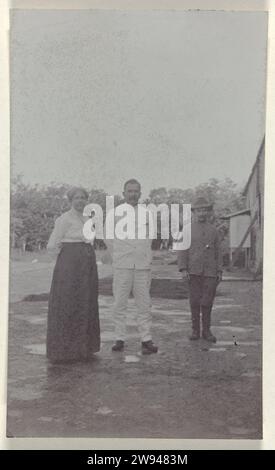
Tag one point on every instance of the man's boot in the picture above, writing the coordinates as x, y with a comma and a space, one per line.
118, 346
206, 320
148, 347
195, 311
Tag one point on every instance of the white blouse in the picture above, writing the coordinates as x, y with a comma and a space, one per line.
68, 228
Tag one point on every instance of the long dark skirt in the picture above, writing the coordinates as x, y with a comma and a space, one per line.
73, 332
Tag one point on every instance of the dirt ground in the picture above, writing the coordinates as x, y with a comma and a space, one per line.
187, 390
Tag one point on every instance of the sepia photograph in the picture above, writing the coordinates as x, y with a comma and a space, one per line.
137, 155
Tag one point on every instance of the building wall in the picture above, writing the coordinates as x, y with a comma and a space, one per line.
255, 202
238, 227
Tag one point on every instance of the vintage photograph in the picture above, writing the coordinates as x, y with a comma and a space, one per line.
136, 223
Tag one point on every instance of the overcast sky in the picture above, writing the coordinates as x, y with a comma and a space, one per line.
170, 98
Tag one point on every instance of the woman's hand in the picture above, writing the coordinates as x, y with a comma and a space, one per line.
107, 258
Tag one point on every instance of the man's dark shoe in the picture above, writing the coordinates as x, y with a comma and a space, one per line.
118, 346
148, 347
194, 335
208, 336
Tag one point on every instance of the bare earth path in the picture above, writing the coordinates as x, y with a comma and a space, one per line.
187, 390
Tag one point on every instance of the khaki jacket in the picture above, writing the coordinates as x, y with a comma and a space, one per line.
204, 256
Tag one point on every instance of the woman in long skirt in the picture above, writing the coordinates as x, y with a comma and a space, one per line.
73, 332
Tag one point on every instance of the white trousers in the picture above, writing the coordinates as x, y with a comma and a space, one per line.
124, 281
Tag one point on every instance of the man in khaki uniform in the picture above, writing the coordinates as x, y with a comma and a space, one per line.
131, 259
202, 265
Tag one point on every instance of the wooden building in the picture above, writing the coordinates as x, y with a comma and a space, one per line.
246, 226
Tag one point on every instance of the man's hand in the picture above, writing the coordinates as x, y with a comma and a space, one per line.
185, 274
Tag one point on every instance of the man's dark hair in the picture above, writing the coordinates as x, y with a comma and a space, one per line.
131, 181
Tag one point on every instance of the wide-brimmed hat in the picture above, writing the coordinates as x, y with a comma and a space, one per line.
201, 203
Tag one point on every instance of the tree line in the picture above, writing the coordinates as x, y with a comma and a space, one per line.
34, 208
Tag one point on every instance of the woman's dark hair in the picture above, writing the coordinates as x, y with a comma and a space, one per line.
77, 189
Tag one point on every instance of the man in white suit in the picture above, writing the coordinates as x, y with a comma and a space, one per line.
131, 259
